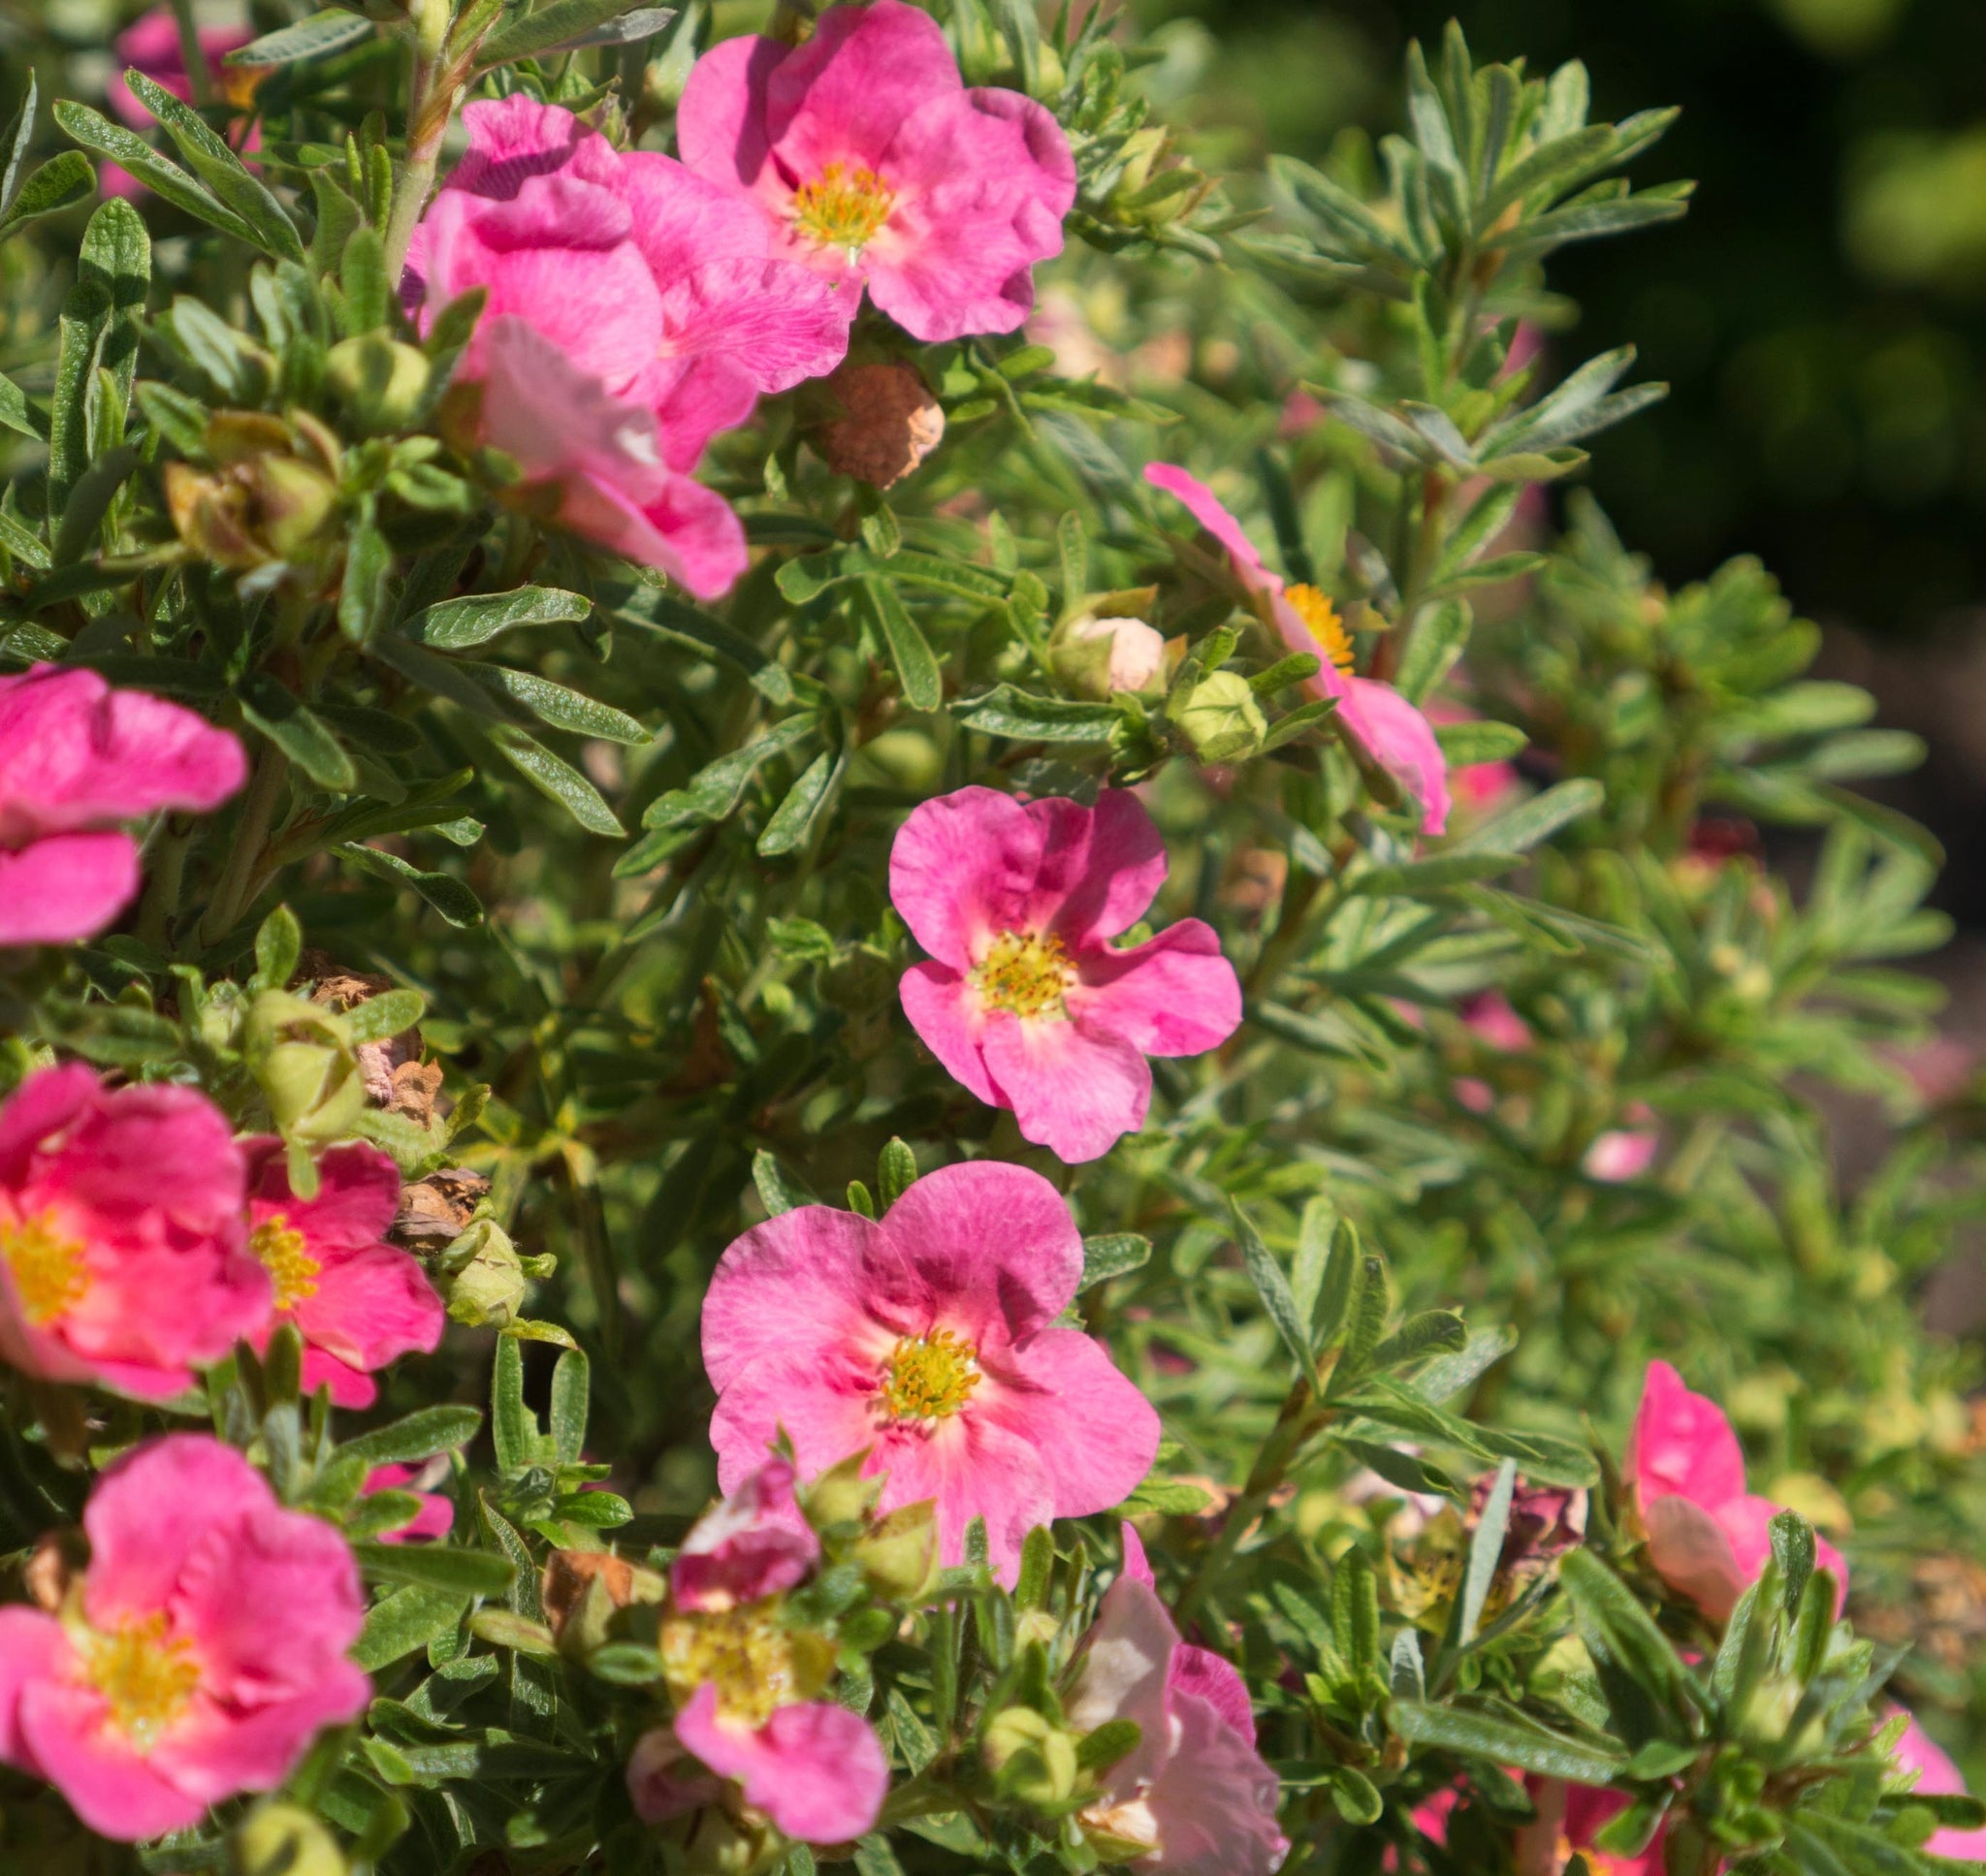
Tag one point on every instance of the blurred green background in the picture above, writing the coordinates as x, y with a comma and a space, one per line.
1821, 314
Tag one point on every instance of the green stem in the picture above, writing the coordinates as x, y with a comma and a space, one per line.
431, 102
251, 838
167, 879
192, 54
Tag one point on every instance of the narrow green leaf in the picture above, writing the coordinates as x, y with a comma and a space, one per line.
1114, 1254
1022, 717
561, 707
408, 1619
64, 182
330, 31
557, 779
910, 650
550, 27
1504, 1738
19, 134
792, 822
454, 625
571, 1392
1273, 1287
17, 414
163, 177
1486, 1550
434, 1565
363, 601
298, 731
448, 895
209, 157
415, 1436
512, 1426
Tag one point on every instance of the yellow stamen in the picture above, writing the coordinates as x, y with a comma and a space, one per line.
146, 1675
1025, 972
50, 1270
839, 208
929, 1377
283, 1256
755, 1664
1320, 620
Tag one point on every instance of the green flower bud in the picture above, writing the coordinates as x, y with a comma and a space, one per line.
900, 1555
1031, 1757
301, 1056
381, 380
1220, 718
841, 1495
485, 1277
282, 1840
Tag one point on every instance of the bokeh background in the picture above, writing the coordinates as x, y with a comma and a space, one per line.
1820, 315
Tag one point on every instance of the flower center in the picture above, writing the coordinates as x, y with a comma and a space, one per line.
50, 1273
1320, 620
842, 207
1025, 972
755, 1665
929, 1377
283, 1256
146, 1676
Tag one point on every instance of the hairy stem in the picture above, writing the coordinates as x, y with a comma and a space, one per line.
192, 54
251, 838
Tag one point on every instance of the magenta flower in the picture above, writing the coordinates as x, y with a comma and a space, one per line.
1024, 997
201, 1653
1379, 720
151, 45
123, 1244
358, 1301
1624, 1153
435, 1519
930, 1340
76, 758
1937, 1776
661, 284
756, 1543
1707, 1536
1192, 1797
875, 165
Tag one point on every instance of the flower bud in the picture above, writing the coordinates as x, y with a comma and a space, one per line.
283, 1840
381, 380
841, 1495
302, 1056
900, 1555
1220, 718
887, 421
271, 494
483, 1276
1096, 656
1031, 1757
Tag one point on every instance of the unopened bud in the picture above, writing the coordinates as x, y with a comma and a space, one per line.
1220, 718
900, 1555
381, 380
294, 502
888, 422
1032, 1757
485, 1276
300, 1056
841, 1495
283, 1840
1096, 656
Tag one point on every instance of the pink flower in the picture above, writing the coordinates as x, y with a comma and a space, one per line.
1481, 787
814, 1769
593, 463
76, 758
1569, 1818
1708, 1537
662, 285
358, 1301
1489, 1016
1193, 1791
151, 43
198, 1655
1384, 724
1024, 998
1624, 1153
123, 1244
1937, 1776
756, 1543
930, 1340
874, 164
435, 1519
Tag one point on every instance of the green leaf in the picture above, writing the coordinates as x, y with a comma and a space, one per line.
779, 1190
513, 1426
896, 1171
557, 779
571, 1390
64, 182
391, 1013
330, 31
1023, 716
1485, 1551
916, 666
1504, 1738
1615, 1628
561, 707
438, 1567
707, 635
85, 313
1524, 827
278, 944
1436, 1331
454, 625
415, 1436
543, 31
713, 792
1437, 873
448, 895
298, 731
1114, 1254
165, 178
363, 600
17, 414
1465, 745
17, 138
1273, 1287
245, 195
792, 822
405, 1620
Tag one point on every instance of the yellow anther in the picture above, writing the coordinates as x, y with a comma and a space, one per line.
51, 1269
929, 1377
842, 207
1322, 621
283, 1256
146, 1675
1025, 972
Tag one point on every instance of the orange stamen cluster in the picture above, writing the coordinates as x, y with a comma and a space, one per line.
1322, 621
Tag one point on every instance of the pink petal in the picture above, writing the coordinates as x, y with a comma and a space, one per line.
1074, 1090
371, 1307
1101, 867
1215, 1803
972, 1466
1402, 741
720, 119
826, 1411
964, 865
513, 139
1206, 508
664, 1781
1937, 1776
1692, 1554
435, 1519
217, 1751
117, 1792
66, 887
697, 398
1173, 994
781, 322
1094, 1430
799, 1282
1682, 1443
1136, 1565
1126, 1669
1621, 1154
1202, 1675
32, 1649
358, 1194
943, 1012
686, 531
754, 1544
845, 94
814, 1769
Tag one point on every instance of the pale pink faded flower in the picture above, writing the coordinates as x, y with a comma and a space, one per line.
150, 45
77, 759
930, 1341
755, 1543
1137, 650
1389, 729
1937, 1776
358, 1301
199, 1655
1624, 1153
1024, 997
1192, 1797
1708, 1537
874, 164
124, 1253
435, 1519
